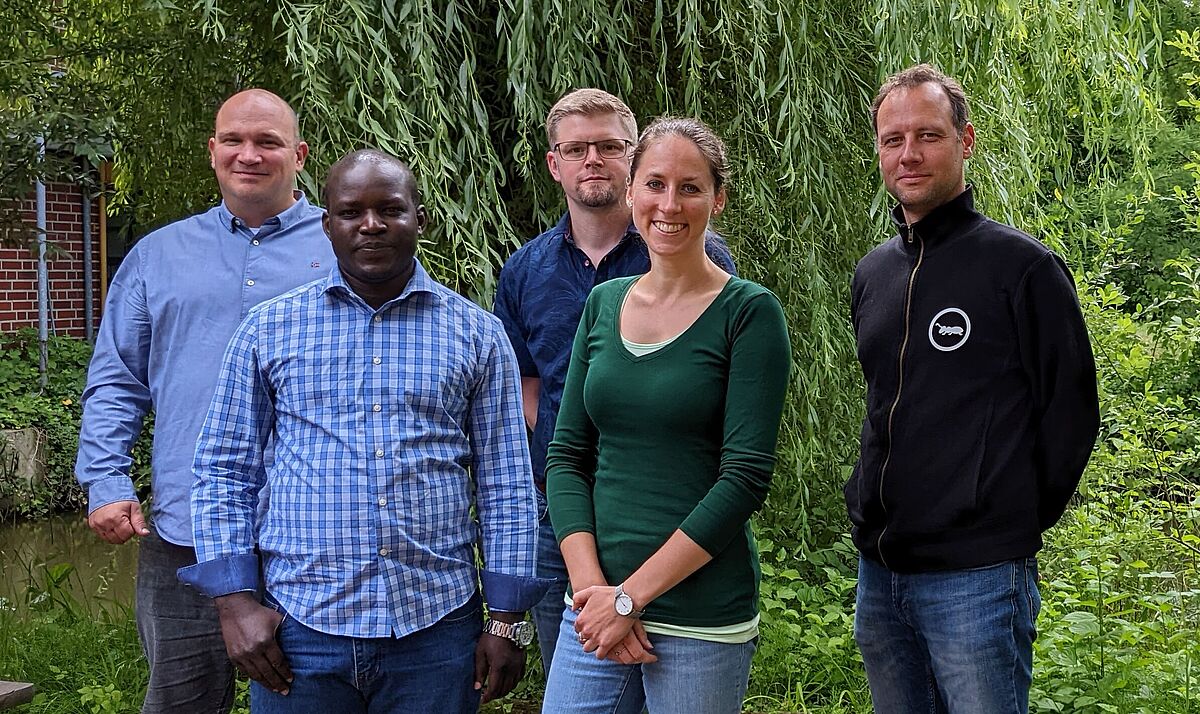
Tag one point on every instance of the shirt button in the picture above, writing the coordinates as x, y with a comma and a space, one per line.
376, 360
384, 551
379, 318
383, 501
250, 282
587, 263
376, 408
379, 452
254, 242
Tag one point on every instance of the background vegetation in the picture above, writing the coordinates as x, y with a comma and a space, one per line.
1087, 125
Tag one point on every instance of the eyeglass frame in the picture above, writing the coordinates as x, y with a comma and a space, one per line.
589, 144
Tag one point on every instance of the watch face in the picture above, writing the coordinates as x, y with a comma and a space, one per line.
523, 633
624, 605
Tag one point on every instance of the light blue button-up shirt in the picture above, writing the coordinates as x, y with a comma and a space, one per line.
387, 426
171, 309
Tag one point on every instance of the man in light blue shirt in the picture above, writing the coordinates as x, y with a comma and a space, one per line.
171, 310
392, 407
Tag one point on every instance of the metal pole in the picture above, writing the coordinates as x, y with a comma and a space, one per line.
88, 297
43, 277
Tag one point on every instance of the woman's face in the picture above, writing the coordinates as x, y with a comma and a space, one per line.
673, 196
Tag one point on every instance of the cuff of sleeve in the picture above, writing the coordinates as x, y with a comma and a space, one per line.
511, 593
214, 578
110, 490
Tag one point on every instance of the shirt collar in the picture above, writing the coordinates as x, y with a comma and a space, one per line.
940, 223
420, 282
563, 230
288, 217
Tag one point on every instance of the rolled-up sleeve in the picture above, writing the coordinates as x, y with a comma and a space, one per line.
505, 496
230, 473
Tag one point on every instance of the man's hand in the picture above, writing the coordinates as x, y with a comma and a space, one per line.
499, 663
118, 521
249, 632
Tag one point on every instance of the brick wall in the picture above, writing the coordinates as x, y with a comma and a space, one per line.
18, 267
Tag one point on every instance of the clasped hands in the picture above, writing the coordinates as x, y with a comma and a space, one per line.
611, 636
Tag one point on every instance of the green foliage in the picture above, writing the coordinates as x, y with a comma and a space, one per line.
1072, 100
56, 412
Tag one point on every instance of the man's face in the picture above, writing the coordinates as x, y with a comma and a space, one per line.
594, 182
920, 153
255, 153
373, 222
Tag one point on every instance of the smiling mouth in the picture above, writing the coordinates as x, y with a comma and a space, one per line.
664, 227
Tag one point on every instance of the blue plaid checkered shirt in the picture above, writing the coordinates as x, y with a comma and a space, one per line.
375, 432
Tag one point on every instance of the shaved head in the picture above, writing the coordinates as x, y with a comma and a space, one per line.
384, 161
262, 99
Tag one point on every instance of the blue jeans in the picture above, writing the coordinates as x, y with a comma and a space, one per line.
957, 641
180, 634
547, 614
690, 677
432, 670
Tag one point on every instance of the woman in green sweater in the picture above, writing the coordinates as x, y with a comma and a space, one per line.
664, 447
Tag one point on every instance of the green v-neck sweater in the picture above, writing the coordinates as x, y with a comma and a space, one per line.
682, 438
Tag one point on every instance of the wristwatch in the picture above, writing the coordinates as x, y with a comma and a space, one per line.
624, 604
519, 633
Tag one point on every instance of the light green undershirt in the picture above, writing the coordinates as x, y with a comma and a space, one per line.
639, 349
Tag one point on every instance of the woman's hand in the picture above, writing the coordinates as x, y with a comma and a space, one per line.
635, 648
599, 627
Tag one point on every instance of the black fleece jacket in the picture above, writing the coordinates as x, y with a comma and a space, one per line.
981, 393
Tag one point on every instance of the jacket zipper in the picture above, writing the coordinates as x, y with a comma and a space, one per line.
912, 279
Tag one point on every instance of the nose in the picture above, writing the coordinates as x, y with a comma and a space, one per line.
670, 202
248, 153
371, 223
592, 157
910, 153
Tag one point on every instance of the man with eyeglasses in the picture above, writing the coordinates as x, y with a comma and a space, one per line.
544, 285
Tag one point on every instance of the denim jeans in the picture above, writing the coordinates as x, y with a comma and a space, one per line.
547, 614
690, 677
180, 634
958, 641
432, 670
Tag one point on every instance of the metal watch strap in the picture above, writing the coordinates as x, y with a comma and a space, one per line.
620, 593
503, 629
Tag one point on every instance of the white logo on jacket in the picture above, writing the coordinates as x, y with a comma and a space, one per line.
949, 329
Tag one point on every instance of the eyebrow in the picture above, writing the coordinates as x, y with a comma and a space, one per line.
684, 179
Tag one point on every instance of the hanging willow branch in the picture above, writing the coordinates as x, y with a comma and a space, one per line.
1063, 93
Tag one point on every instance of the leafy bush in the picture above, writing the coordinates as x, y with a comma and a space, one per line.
55, 410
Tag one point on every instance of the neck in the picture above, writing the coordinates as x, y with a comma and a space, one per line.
377, 294
256, 214
598, 229
674, 275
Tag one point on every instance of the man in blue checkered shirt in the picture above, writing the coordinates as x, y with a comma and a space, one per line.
379, 408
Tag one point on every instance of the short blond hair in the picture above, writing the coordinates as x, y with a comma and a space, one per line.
589, 102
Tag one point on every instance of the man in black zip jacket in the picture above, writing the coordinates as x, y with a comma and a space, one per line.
981, 416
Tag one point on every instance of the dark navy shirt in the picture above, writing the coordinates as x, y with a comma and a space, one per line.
540, 298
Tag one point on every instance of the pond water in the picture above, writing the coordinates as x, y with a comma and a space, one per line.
34, 553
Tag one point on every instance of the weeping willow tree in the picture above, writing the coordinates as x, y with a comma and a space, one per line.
1064, 93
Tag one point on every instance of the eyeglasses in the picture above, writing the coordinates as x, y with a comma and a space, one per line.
578, 150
